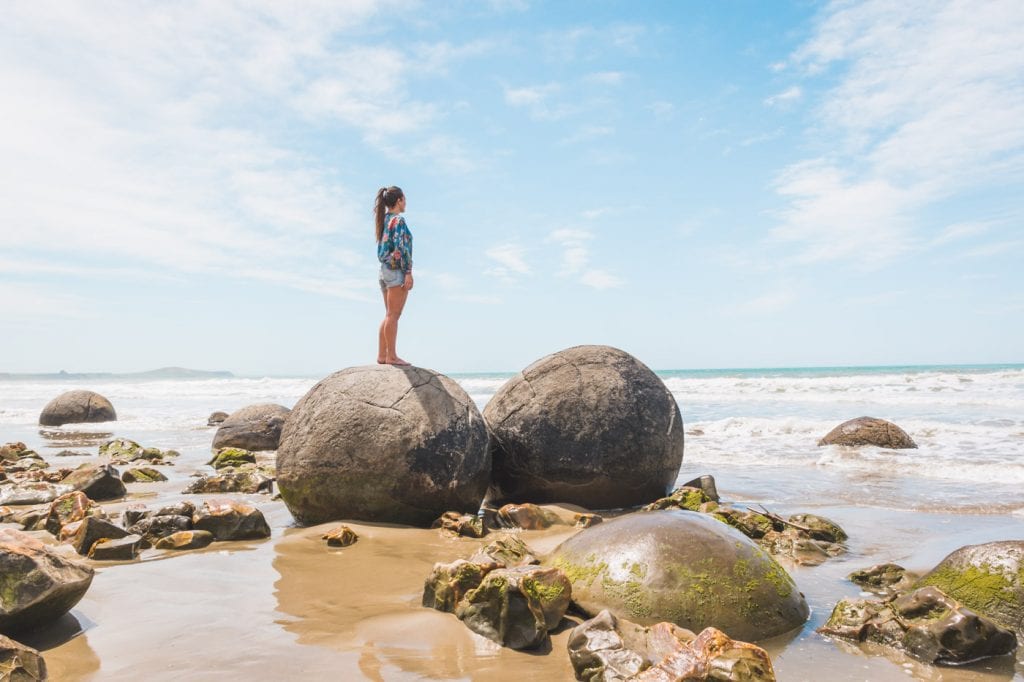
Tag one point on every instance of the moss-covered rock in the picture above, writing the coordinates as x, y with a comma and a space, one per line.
883, 578
231, 457
465, 525
506, 550
682, 567
925, 624
249, 480
516, 607
685, 497
818, 527
447, 584
143, 475
122, 448
37, 585
987, 578
73, 506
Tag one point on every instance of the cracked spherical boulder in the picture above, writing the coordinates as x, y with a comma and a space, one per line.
682, 567
77, 407
383, 443
590, 425
869, 431
256, 427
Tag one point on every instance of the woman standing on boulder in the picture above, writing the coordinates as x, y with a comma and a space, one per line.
394, 251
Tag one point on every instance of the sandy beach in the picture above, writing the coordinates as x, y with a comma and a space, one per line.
289, 607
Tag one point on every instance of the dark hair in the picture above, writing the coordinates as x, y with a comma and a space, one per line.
386, 198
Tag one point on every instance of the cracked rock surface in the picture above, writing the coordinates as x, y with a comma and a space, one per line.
589, 425
383, 443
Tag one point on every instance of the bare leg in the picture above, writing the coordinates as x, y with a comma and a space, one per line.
382, 346
396, 303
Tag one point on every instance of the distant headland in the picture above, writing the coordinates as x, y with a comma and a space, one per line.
162, 373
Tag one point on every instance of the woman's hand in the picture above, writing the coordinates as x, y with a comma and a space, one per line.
408, 282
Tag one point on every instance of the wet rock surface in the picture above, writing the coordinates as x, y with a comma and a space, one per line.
987, 578
448, 583
73, 506
254, 427
516, 607
39, 585
607, 649
119, 549
91, 530
231, 457
681, 567
341, 536
249, 480
924, 623
100, 482
590, 425
883, 578
143, 475
35, 492
231, 520
20, 663
464, 525
383, 443
186, 539
526, 516
505, 549
126, 451
869, 431
216, 418
77, 407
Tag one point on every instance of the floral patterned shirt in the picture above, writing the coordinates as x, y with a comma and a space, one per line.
394, 249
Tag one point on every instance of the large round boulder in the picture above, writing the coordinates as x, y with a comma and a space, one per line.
38, 585
76, 407
383, 443
256, 427
590, 425
869, 431
683, 567
987, 578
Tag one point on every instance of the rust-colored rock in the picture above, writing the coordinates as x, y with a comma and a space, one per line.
341, 536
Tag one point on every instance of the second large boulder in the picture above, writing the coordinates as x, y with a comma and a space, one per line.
589, 425
77, 407
383, 443
681, 567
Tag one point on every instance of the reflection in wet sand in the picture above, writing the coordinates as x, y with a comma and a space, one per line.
74, 439
366, 598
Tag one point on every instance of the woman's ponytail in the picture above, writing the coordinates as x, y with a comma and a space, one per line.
386, 197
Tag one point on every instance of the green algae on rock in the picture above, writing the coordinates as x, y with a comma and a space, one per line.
231, 457
925, 623
681, 567
988, 578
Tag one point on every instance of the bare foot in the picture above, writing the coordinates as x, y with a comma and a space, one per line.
382, 361
398, 362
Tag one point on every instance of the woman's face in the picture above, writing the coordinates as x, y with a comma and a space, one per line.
400, 205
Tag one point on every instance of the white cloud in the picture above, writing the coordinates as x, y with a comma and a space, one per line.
605, 78
787, 96
160, 137
959, 231
537, 100
765, 304
927, 105
576, 259
511, 262
661, 109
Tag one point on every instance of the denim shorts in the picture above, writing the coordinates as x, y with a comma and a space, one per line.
390, 278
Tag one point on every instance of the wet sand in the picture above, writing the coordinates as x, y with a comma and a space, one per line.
290, 607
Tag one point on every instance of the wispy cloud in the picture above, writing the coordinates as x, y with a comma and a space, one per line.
538, 101
587, 132
511, 262
162, 137
765, 304
927, 105
787, 96
576, 259
605, 78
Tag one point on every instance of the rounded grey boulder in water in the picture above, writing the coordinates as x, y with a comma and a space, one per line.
682, 567
869, 431
383, 443
77, 407
255, 427
589, 425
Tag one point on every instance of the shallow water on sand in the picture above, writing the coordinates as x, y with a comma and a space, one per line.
290, 608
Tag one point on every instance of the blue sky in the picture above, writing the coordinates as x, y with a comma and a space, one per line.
702, 184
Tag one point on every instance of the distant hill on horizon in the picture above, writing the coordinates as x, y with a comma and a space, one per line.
162, 373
